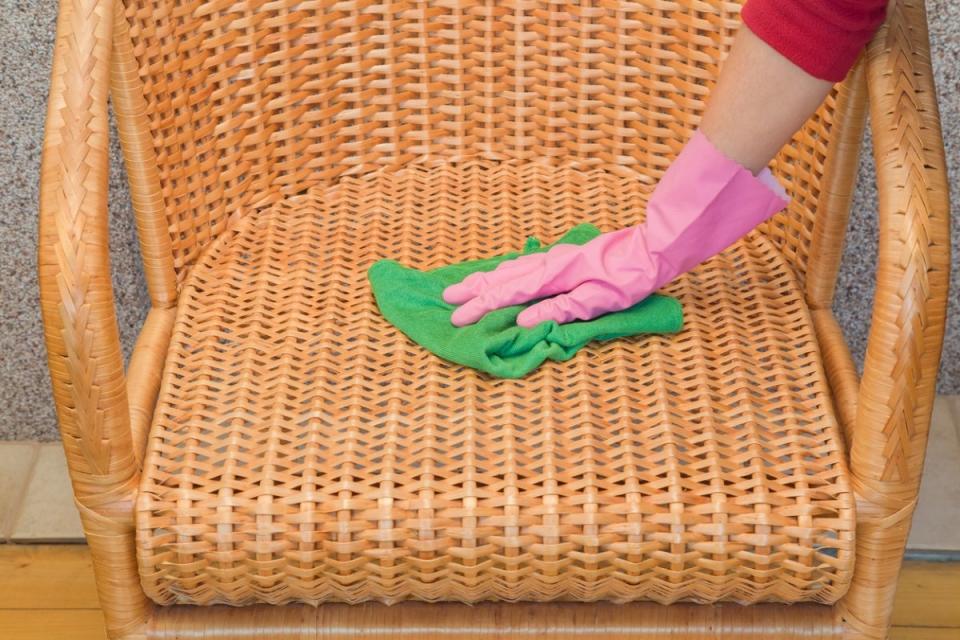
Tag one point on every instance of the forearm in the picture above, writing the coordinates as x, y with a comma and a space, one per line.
761, 99
782, 65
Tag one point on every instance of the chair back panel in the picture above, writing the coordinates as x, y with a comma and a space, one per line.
249, 101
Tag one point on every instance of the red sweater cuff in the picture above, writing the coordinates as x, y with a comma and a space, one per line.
822, 37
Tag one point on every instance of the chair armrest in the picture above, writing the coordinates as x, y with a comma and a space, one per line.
906, 335
76, 297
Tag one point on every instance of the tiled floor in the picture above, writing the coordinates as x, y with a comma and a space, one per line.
36, 502
936, 523
42, 510
16, 465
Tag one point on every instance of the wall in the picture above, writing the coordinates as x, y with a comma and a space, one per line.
27, 31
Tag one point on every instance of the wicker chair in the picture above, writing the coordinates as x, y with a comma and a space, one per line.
276, 446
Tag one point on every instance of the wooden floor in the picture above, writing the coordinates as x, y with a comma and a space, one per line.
47, 593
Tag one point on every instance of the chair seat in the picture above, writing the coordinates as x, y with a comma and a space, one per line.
304, 450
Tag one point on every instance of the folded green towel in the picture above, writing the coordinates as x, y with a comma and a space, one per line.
413, 302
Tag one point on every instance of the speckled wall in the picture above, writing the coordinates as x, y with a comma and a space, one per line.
27, 30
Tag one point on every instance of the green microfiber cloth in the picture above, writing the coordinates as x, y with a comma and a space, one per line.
413, 302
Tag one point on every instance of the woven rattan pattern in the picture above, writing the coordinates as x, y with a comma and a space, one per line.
248, 101
305, 450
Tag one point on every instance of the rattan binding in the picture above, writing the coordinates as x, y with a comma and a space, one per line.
300, 450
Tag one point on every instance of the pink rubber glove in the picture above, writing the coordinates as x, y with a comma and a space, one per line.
703, 204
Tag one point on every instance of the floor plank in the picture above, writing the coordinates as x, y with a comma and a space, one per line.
46, 576
52, 624
928, 594
48, 592
924, 633
87, 624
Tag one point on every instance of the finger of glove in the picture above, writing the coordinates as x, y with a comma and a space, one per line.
518, 291
477, 283
586, 302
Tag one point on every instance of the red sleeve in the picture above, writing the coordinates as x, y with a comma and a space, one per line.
822, 37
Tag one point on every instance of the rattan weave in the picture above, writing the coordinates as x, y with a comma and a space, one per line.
250, 101
276, 147
305, 450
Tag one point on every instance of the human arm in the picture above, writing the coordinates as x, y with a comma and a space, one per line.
715, 192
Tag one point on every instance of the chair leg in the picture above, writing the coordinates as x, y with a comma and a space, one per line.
126, 608
867, 608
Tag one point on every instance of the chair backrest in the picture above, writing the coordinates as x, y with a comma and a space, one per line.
249, 101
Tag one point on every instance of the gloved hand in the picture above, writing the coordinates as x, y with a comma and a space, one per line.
703, 204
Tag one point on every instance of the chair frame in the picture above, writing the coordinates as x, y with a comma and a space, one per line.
105, 413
